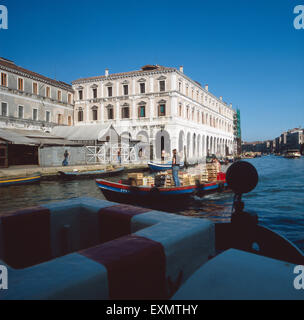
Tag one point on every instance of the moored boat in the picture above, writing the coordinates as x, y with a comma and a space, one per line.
20, 180
124, 193
90, 174
157, 167
292, 154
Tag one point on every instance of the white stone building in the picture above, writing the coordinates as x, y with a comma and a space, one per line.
161, 108
32, 101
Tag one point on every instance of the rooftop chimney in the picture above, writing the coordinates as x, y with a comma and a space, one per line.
221, 98
107, 72
181, 69
207, 87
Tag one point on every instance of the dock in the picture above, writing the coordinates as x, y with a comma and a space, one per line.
51, 173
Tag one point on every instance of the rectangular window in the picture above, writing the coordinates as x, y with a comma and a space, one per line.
142, 111
162, 86
180, 110
162, 110
48, 92
48, 116
95, 116
110, 114
94, 93
20, 84
59, 96
35, 88
20, 112
110, 91
126, 89
80, 94
4, 79
125, 113
4, 109
69, 120
69, 98
60, 119
142, 88
80, 115
179, 87
35, 114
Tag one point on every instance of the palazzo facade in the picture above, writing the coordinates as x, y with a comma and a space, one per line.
160, 108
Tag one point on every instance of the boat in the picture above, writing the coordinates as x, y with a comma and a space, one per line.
20, 180
122, 192
292, 154
157, 167
90, 174
138, 253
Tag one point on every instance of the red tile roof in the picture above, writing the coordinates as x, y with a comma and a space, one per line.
12, 66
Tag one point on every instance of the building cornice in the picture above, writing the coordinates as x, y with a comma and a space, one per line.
51, 82
122, 76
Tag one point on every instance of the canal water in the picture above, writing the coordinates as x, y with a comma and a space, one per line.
278, 199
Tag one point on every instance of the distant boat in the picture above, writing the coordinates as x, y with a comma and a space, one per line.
162, 166
123, 193
292, 154
90, 174
20, 180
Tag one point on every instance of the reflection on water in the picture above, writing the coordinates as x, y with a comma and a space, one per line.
278, 199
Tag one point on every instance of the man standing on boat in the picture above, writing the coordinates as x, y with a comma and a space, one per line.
175, 168
163, 155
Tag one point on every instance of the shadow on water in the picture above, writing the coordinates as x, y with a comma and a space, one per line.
278, 199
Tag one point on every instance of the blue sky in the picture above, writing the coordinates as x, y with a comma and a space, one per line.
247, 51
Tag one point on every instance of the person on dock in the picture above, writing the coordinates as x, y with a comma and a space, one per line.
65, 162
119, 156
175, 168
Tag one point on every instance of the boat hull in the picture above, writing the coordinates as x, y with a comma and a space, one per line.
20, 181
88, 174
156, 197
156, 167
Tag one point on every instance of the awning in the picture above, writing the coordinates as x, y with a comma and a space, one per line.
15, 138
85, 132
33, 137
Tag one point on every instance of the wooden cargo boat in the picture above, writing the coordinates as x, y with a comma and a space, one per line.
124, 193
20, 180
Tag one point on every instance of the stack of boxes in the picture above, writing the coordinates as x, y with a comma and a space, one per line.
201, 174
212, 172
141, 180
